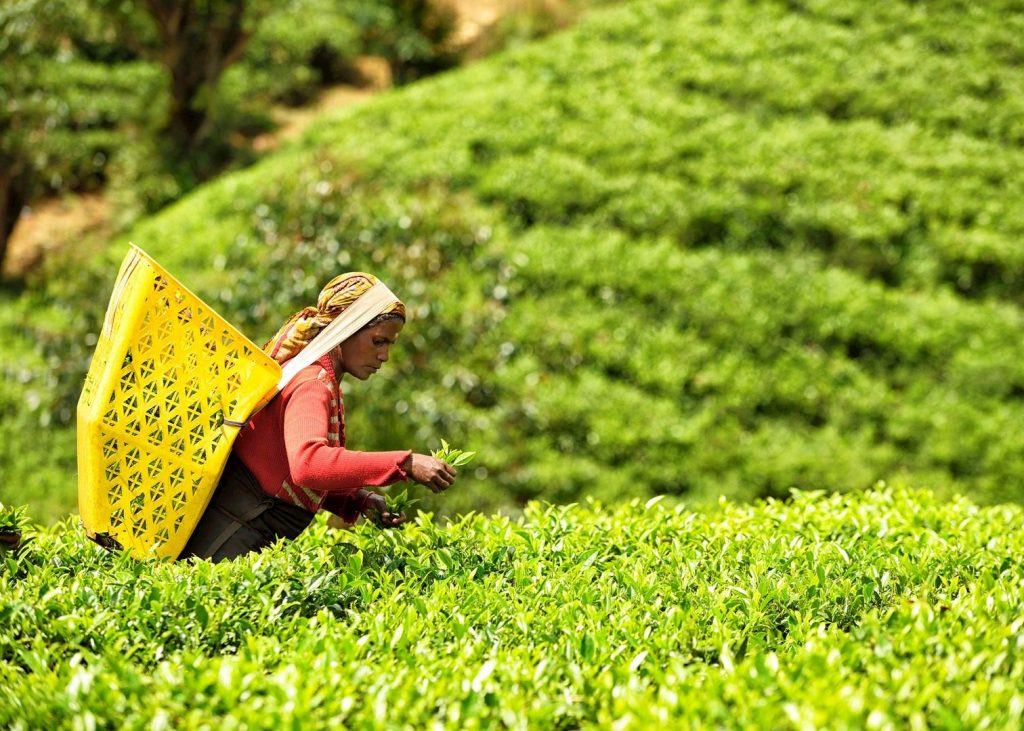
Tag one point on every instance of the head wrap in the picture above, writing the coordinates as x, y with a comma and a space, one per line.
335, 298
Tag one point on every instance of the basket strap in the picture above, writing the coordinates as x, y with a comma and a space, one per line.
235, 523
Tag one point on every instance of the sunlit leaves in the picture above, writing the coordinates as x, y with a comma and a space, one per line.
12, 518
399, 502
451, 455
884, 608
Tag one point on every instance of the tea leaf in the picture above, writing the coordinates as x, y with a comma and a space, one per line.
451, 455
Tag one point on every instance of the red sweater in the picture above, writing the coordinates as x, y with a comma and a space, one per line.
295, 447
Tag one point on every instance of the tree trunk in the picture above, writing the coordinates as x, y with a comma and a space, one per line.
199, 41
14, 189
185, 120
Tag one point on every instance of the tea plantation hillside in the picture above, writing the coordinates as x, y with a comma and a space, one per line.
695, 248
881, 609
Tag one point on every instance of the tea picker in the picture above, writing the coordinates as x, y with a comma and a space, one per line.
193, 441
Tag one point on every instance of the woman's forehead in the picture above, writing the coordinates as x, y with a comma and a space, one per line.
388, 329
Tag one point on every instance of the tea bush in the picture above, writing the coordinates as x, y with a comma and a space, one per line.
692, 248
883, 609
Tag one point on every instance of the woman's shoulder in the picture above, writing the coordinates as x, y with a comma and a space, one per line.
317, 372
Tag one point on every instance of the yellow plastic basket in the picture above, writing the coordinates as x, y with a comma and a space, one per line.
154, 434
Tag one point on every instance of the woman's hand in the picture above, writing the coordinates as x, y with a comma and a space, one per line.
375, 509
430, 472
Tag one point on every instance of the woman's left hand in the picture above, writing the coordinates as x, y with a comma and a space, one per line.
431, 472
376, 509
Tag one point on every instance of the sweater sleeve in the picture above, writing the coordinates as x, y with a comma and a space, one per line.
315, 464
348, 506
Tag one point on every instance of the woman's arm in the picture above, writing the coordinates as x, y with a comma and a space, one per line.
315, 464
347, 506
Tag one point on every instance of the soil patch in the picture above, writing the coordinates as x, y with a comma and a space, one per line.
52, 224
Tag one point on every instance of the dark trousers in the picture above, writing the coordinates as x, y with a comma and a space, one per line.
242, 518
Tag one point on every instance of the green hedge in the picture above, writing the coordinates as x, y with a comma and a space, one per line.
880, 610
650, 254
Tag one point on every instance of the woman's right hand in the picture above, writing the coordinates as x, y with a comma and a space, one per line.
431, 472
375, 509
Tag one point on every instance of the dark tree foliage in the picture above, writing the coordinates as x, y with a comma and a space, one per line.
60, 110
194, 42
23, 114
415, 36
77, 78
138, 91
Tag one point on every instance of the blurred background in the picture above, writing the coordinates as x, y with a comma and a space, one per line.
129, 105
690, 248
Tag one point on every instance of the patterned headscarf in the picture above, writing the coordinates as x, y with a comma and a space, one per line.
336, 297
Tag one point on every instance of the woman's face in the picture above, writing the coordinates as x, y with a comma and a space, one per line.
364, 353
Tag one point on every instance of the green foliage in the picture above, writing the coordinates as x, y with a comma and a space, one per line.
193, 44
297, 47
881, 610
413, 35
99, 101
62, 115
13, 519
400, 502
451, 455
37, 450
158, 97
635, 267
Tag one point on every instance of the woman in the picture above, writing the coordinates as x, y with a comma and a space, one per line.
290, 459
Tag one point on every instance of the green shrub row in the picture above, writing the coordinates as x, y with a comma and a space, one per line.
604, 125
624, 285
580, 361
880, 610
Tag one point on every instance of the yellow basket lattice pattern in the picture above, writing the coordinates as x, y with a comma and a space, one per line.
167, 373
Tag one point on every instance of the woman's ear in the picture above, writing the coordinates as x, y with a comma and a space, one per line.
336, 360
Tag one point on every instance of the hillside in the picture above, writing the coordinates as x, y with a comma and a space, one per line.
692, 248
879, 610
